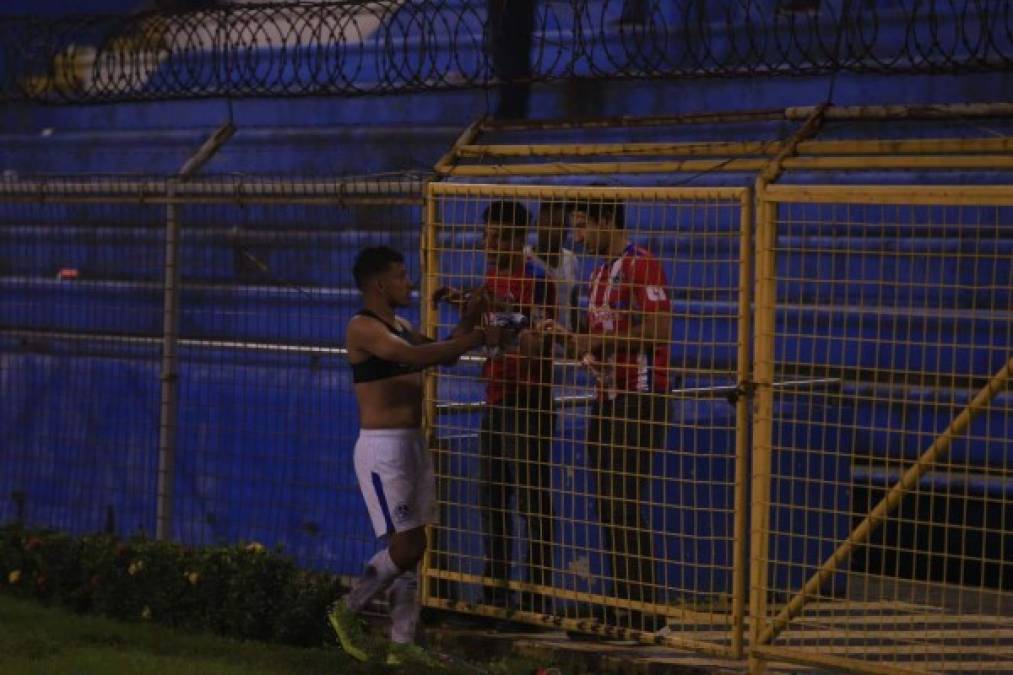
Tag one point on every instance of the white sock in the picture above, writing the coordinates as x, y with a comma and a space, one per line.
403, 598
380, 572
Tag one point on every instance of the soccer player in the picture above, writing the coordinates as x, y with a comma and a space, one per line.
394, 468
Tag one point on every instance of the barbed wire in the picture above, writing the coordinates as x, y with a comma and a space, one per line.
390, 46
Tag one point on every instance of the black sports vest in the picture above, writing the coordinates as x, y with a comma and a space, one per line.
375, 368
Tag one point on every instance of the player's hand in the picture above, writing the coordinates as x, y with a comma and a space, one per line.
582, 344
449, 295
551, 327
476, 305
495, 336
529, 342
554, 330
578, 343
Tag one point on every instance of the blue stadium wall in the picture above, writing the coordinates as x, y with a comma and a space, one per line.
260, 452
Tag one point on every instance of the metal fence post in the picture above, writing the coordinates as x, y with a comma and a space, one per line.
743, 404
763, 419
170, 330
429, 258
169, 376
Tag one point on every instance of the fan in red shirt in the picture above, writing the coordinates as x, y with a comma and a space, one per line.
626, 346
621, 292
516, 435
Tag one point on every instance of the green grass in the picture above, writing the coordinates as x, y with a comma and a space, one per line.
40, 640
37, 639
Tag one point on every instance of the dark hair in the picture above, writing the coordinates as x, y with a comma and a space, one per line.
554, 211
507, 213
373, 261
606, 211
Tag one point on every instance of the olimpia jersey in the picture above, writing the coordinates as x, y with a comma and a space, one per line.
633, 284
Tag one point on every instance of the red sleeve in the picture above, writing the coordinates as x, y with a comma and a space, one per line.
649, 292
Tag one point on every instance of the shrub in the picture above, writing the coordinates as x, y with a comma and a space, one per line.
242, 591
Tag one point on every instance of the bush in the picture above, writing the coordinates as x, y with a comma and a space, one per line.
243, 591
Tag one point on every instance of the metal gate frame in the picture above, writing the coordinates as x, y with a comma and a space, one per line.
764, 629
743, 199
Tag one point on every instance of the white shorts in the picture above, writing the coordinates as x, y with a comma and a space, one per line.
396, 477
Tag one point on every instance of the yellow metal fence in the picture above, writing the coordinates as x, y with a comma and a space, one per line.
623, 508
859, 430
900, 478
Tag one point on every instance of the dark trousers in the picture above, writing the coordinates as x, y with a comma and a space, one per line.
515, 455
623, 437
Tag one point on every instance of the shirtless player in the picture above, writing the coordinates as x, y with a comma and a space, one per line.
394, 468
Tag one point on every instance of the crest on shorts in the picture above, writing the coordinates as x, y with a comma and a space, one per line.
401, 512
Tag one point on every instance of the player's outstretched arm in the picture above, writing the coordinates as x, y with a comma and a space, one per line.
372, 337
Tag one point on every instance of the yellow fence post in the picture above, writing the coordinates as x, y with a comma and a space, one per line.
742, 404
763, 418
430, 274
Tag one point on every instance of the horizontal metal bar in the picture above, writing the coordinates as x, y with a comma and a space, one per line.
571, 400
585, 168
348, 133
310, 350
742, 148
950, 110
203, 191
871, 112
459, 407
263, 199
318, 292
698, 149
582, 626
687, 615
971, 195
906, 146
569, 192
281, 348
740, 164
772, 114
719, 391
873, 162
819, 657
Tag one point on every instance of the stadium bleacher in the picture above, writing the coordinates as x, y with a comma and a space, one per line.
260, 450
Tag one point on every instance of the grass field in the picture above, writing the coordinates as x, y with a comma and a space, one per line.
36, 639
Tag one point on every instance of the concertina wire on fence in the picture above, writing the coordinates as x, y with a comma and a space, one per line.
391, 46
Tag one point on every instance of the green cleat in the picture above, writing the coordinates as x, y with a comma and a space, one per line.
348, 629
408, 653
